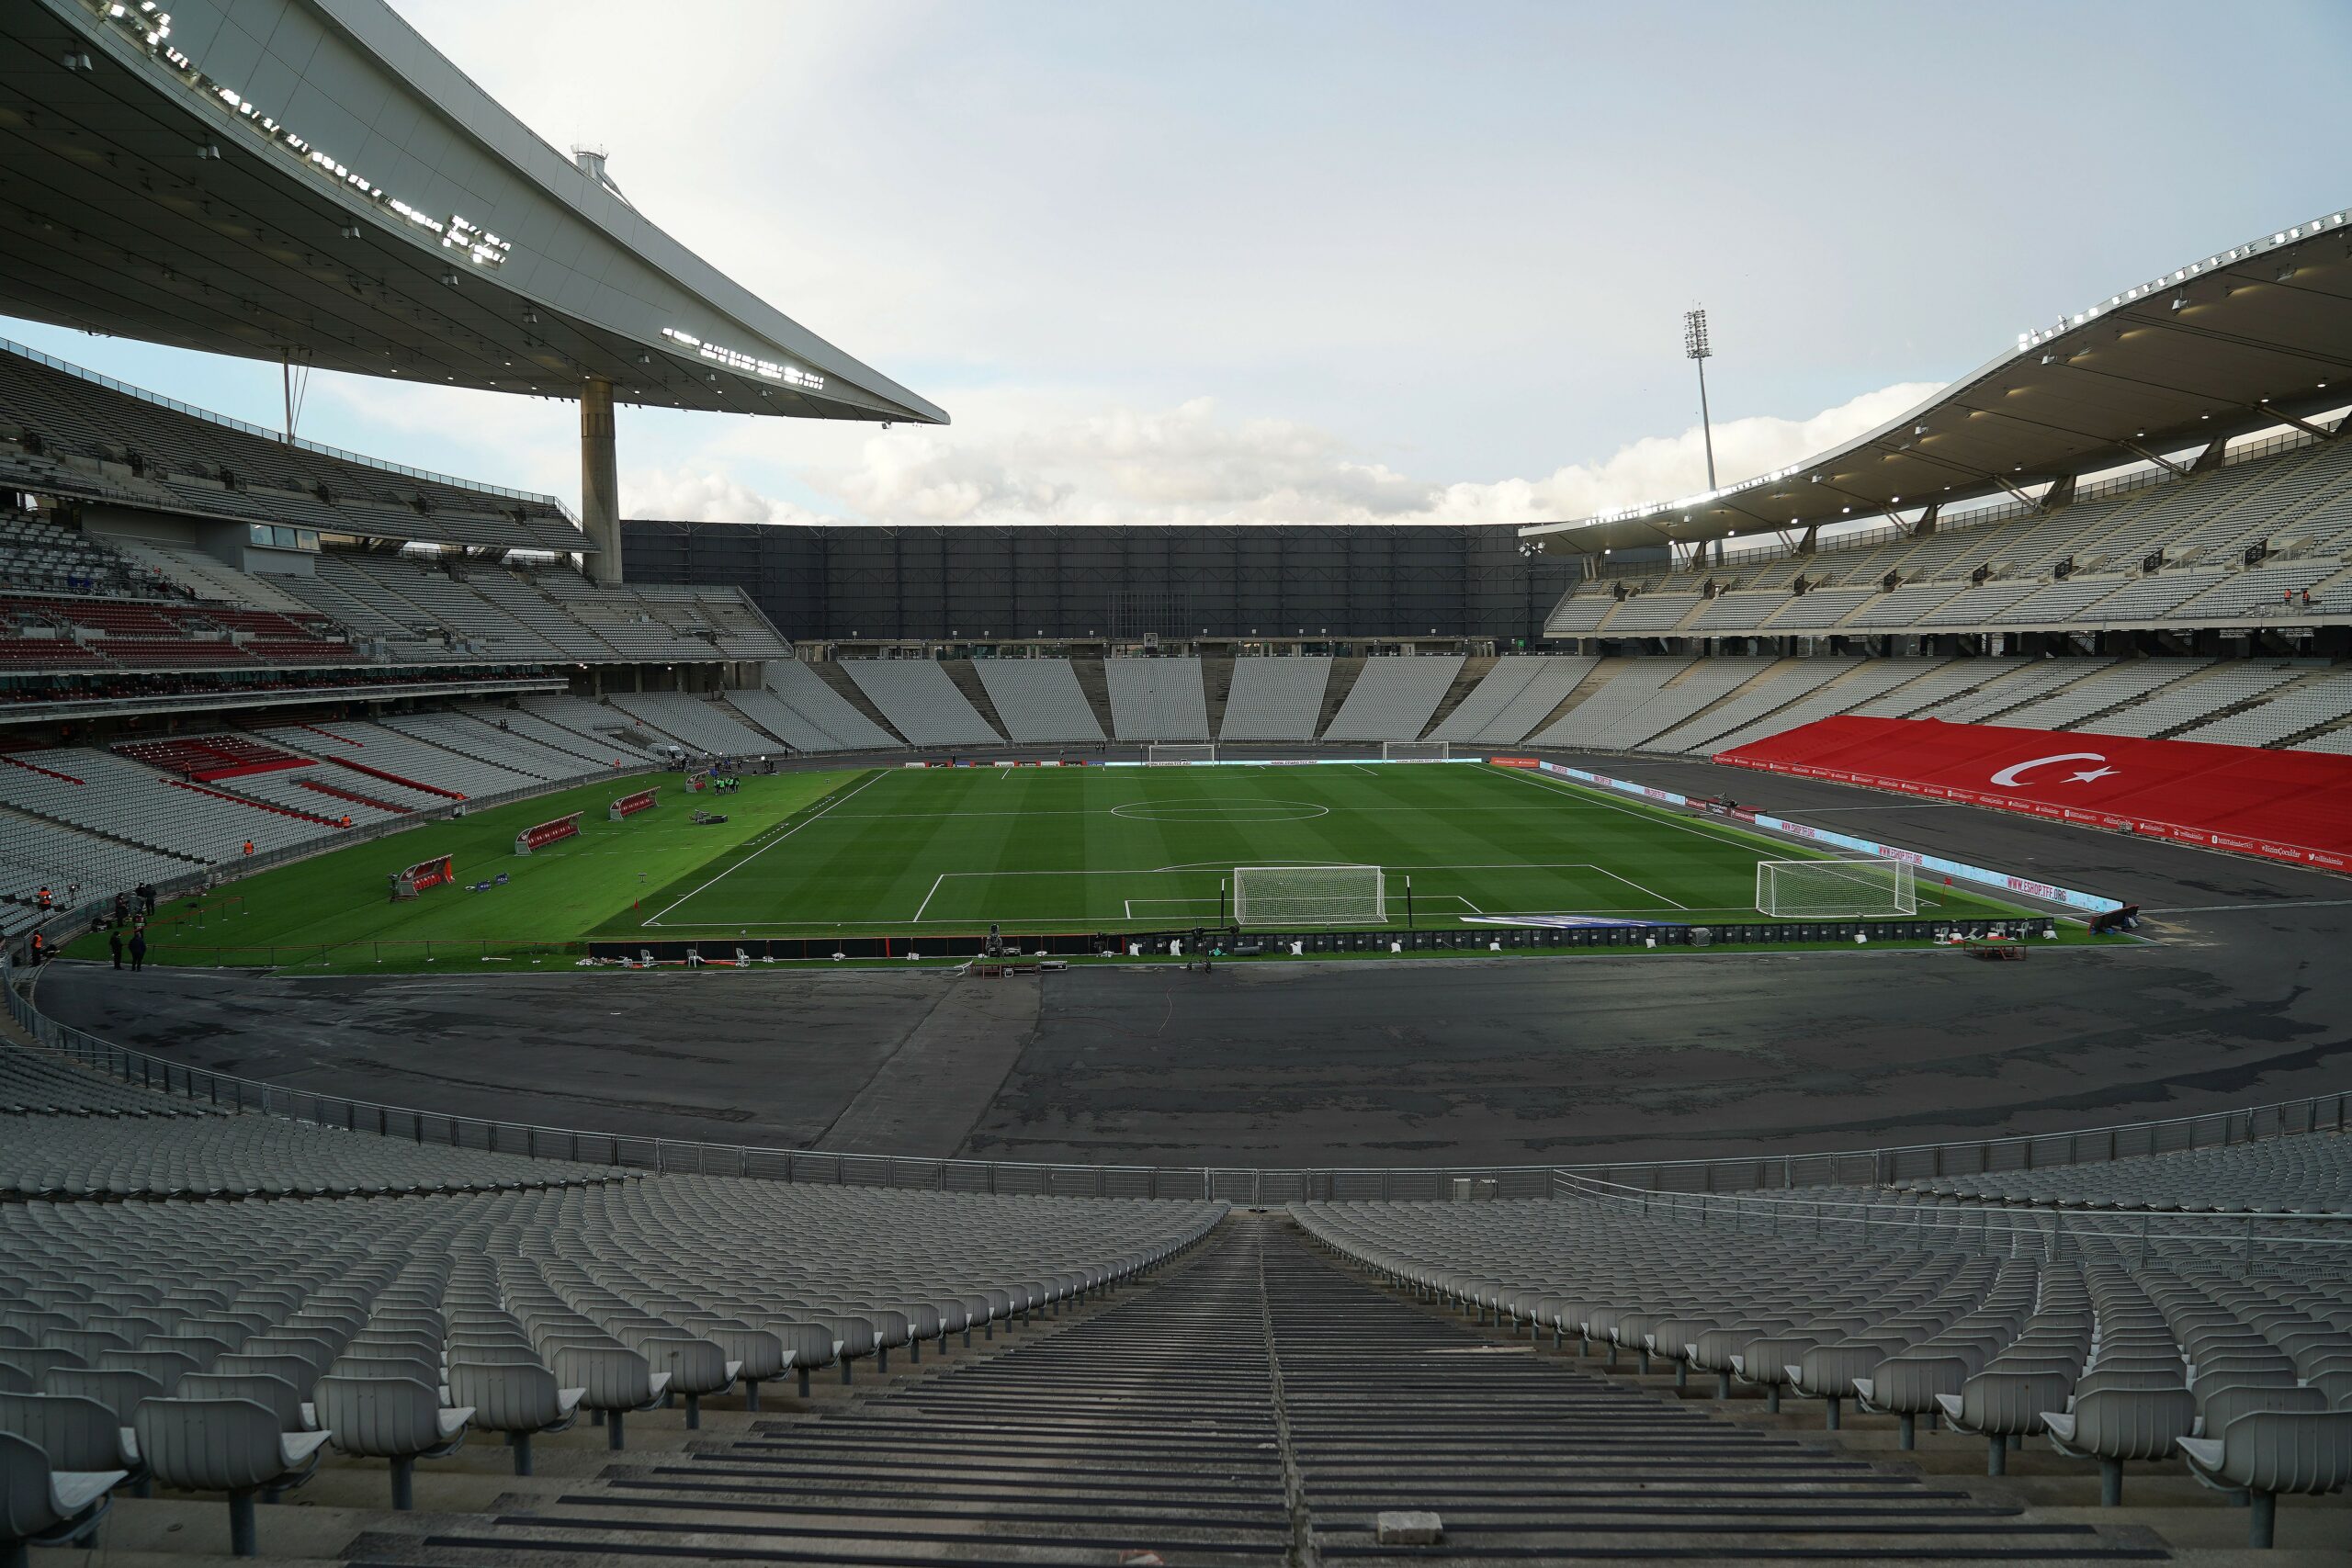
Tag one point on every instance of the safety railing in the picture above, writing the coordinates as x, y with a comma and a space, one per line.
1660, 1180
229, 421
1987, 1227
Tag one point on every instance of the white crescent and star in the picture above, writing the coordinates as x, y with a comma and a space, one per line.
2013, 777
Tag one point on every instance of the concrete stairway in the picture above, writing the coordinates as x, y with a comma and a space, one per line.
967, 680
1216, 683
832, 674
1258, 1402
1336, 687
1097, 687
1466, 681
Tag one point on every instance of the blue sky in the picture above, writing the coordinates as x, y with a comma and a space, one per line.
1361, 261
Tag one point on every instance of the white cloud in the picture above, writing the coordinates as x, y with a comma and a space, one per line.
1019, 458
684, 495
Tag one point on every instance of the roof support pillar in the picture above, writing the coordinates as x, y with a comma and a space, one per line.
600, 488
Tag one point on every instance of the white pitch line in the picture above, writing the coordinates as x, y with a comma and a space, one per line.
927, 897
765, 848
1639, 888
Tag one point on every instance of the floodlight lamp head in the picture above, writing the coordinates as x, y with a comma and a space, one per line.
1694, 335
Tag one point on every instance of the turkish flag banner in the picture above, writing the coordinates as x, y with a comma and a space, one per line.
2293, 805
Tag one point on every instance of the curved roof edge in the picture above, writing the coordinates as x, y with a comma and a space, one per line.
311, 178
2247, 337
383, 32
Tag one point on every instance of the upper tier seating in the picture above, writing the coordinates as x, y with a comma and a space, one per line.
1275, 699
1392, 698
41, 557
63, 431
1156, 699
2163, 550
1039, 700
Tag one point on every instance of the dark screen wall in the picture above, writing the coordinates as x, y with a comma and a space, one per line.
849, 582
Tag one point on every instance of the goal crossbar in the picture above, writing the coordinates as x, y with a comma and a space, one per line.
1415, 751
1835, 889
1176, 754
1270, 896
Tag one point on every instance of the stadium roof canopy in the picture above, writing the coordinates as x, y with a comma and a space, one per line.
311, 178
2254, 337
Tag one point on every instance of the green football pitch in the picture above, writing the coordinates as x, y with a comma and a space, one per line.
1083, 849
915, 851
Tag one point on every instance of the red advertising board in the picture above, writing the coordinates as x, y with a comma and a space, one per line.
2291, 806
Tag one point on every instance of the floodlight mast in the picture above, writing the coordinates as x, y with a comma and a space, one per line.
1694, 347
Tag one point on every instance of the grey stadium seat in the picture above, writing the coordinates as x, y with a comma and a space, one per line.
51, 1506
2273, 1451
225, 1445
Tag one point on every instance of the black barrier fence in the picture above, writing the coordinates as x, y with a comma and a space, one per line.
1188, 942
2318, 1114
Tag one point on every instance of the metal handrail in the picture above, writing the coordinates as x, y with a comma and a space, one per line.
1993, 1227
1960, 1204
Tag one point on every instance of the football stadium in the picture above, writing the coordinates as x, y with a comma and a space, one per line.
1804, 1020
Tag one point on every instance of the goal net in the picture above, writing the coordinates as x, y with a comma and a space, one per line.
1414, 750
1270, 896
1835, 889
1164, 755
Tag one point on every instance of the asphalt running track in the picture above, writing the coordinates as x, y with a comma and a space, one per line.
2246, 997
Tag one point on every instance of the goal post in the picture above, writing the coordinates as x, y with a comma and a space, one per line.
1835, 889
1271, 897
1176, 754
1416, 751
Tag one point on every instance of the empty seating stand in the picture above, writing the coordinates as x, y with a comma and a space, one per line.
1392, 699
1274, 699
1156, 699
921, 702
1039, 700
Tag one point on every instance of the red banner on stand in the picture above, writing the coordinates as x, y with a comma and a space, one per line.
2290, 806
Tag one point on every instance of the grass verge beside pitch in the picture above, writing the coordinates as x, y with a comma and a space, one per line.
333, 911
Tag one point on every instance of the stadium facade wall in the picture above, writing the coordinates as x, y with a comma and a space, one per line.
842, 582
